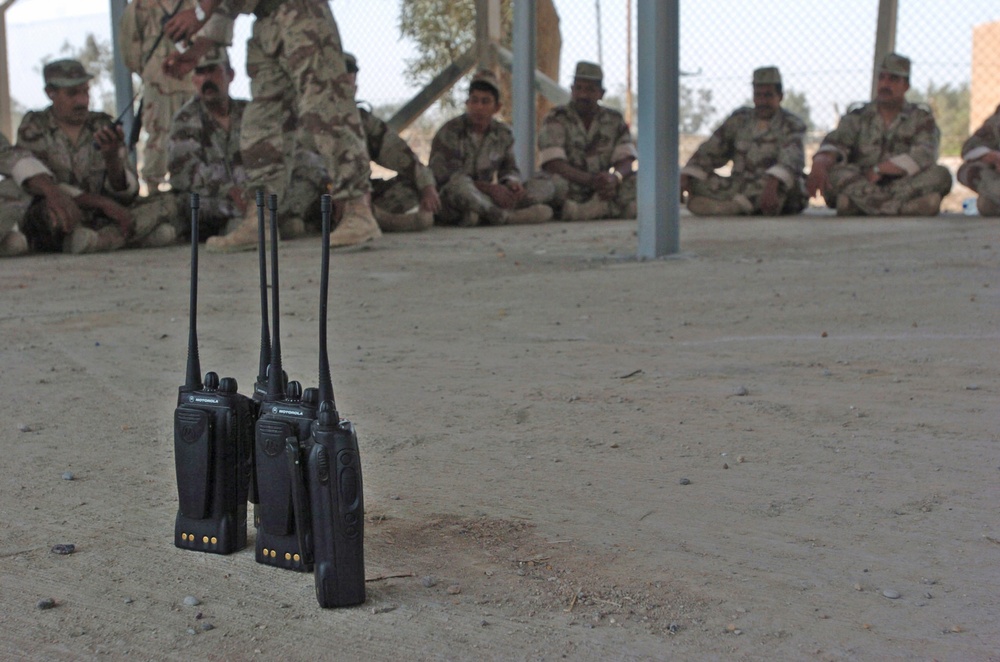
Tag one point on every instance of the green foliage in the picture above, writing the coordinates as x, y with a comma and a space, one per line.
696, 109
795, 102
951, 110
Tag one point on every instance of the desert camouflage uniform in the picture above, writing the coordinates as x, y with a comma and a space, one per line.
16, 165
80, 168
460, 157
162, 95
205, 159
386, 148
862, 140
757, 148
295, 54
564, 136
981, 177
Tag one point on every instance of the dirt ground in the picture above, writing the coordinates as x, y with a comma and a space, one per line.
782, 443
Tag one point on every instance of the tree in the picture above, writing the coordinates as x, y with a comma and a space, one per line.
951, 110
795, 102
696, 109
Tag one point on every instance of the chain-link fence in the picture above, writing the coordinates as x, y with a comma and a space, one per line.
824, 50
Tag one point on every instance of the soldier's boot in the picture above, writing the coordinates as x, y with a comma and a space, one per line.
702, 206
13, 244
470, 219
533, 214
357, 225
591, 210
846, 206
242, 238
85, 240
495, 216
163, 234
292, 228
410, 222
929, 204
987, 205
632, 210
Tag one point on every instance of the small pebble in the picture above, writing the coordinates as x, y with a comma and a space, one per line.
685, 481
454, 589
129, 601
207, 626
891, 594
429, 581
970, 387
673, 628
928, 595
741, 391
383, 609
192, 631
191, 601
24, 427
67, 548
68, 476
46, 603
725, 465
741, 459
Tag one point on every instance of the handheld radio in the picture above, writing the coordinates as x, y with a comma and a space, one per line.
286, 413
213, 443
334, 478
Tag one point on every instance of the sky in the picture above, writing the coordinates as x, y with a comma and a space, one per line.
823, 48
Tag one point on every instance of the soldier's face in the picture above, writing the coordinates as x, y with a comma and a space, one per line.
481, 106
585, 94
70, 104
892, 88
766, 101
212, 81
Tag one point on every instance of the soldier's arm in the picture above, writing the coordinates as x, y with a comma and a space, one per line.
507, 171
552, 156
446, 158
921, 152
791, 154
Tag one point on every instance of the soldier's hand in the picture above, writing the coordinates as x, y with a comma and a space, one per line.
992, 158
108, 139
430, 200
182, 25
605, 184
62, 211
819, 177
502, 196
120, 215
770, 203
179, 65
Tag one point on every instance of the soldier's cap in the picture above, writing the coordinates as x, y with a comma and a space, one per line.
64, 73
589, 71
896, 64
487, 77
767, 76
351, 63
215, 55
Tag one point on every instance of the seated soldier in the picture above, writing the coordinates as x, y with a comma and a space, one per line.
882, 157
86, 154
472, 158
980, 164
764, 144
587, 151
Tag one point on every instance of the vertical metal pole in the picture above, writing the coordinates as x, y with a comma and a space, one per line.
122, 76
885, 37
6, 116
488, 32
659, 171
525, 20
600, 37
628, 66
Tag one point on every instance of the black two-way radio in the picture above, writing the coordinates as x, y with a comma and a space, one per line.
333, 467
213, 442
286, 412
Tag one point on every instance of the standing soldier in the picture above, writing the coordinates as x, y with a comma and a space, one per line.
882, 157
144, 49
294, 53
765, 145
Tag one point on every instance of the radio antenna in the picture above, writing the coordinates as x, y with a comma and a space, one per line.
325, 383
193, 379
275, 385
265, 333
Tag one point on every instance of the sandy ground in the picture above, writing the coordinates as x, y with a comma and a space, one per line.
736, 453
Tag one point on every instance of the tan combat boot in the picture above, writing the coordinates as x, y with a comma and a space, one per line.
533, 214
702, 206
163, 234
591, 210
928, 204
242, 238
85, 240
291, 228
13, 244
845, 207
357, 225
410, 222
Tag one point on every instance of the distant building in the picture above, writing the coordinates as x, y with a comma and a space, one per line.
985, 93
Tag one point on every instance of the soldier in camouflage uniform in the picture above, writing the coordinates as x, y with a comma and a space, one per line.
408, 201
765, 145
204, 148
144, 50
86, 155
294, 53
472, 158
980, 169
588, 151
882, 157
25, 176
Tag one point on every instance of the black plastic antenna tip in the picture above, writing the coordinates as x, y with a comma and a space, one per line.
260, 197
195, 201
325, 203
272, 202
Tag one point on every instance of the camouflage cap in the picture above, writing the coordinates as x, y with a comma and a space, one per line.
64, 73
589, 71
487, 77
767, 76
215, 55
351, 63
895, 64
